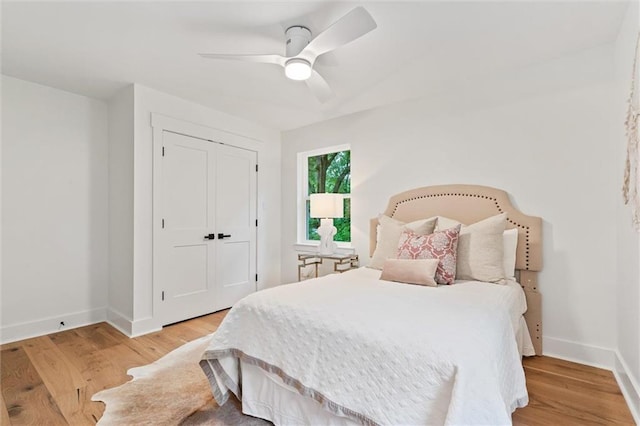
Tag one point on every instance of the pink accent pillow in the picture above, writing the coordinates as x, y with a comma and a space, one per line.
413, 271
441, 245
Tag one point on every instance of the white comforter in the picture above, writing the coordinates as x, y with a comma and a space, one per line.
379, 352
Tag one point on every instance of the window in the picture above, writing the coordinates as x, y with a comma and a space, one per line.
324, 170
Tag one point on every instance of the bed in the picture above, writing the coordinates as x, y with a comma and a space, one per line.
354, 349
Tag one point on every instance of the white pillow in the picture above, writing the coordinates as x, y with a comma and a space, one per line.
480, 249
446, 223
480, 257
388, 235
510, 239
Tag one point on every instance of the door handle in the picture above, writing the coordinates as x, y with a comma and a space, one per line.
222, 236
210, 237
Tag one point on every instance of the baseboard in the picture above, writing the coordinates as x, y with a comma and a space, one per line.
27, 330
119, 321
628, 385
144, 326
131, 328
593, 356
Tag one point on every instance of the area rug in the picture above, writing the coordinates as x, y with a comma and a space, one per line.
173, 390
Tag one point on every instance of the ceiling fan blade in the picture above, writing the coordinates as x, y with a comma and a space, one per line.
263, 59
351, 26
319, 87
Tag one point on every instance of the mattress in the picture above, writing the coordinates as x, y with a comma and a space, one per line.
369, 351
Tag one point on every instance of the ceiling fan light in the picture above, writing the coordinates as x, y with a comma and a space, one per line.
297, 69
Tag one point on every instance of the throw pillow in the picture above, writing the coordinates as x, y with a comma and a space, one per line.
510, 239
439, 245
418, 271
481, 250
388, 234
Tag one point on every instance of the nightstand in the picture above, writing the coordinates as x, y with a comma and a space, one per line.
341, 262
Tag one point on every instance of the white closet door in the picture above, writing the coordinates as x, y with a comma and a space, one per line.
236, 191
206, 189
187, 260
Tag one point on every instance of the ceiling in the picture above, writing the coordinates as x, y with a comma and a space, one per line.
419, 48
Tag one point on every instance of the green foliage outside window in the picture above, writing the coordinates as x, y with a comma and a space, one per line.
330, 173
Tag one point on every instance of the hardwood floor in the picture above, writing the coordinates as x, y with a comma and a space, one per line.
50, 379
566, 393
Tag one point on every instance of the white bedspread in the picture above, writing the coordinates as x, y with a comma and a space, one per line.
380, 352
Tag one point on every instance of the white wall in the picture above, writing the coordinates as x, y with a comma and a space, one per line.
149, 101
628, 264
121, 132
54, 210
548, 149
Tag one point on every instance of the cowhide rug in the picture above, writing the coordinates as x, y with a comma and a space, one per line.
173, 390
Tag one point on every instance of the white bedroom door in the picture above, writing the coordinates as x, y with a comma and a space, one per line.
200, 270
236, 190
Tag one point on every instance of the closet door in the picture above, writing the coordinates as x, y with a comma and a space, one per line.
236, 191
201, 198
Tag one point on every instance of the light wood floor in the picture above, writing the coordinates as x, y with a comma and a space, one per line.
49, 380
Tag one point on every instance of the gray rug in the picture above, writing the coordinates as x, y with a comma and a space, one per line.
172, 390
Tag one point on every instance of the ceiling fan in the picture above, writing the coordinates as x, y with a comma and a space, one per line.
302, 51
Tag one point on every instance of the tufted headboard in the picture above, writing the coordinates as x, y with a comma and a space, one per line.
469, 204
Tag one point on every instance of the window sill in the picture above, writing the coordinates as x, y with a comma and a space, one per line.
343, 248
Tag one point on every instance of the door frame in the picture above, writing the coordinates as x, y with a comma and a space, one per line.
161, 123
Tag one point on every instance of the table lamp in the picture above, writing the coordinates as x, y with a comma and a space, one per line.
326, 207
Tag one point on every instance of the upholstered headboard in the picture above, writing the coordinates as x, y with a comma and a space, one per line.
469, 204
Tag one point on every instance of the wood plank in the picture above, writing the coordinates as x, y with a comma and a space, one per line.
595, 381
539, 415
4, 414
558, 389
96, 368
112, 334
27, 399
181, 333
88, 360
94, 334
200, 328
568, 368
55, 369
117, 338
18, 344
209, 323
579, 400
61, 377
124, 357
158, 343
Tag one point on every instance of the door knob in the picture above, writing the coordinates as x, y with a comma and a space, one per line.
210, 237
223, 236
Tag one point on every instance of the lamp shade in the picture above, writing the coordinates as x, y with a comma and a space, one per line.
326, 205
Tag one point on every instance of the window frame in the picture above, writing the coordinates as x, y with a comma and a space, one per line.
303, 192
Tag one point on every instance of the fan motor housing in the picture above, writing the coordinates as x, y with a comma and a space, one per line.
297, 39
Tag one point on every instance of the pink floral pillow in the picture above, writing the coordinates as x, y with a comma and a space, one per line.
441, 245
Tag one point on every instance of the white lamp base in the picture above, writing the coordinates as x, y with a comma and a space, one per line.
326, 232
